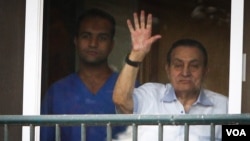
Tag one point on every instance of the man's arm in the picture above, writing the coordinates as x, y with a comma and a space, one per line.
141, 44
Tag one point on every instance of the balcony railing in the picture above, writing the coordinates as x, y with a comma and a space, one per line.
119, 119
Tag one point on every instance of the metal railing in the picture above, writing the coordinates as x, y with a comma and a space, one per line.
119, 119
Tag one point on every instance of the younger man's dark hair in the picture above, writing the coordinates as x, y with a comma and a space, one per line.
92, 13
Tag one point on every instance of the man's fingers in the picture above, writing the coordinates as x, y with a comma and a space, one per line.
137, 26
149, 21
142, 19
141, 31
142, 23
154, 38
130, 26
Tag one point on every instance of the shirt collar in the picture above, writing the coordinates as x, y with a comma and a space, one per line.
203, 99
170, 96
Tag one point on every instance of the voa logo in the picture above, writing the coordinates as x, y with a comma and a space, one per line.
236, 132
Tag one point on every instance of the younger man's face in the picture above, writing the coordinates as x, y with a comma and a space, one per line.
94, 41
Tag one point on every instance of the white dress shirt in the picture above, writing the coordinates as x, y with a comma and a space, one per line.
156, 98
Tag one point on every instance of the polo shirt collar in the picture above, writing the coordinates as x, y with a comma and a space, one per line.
170, 96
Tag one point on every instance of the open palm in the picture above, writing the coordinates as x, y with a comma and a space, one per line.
141, 33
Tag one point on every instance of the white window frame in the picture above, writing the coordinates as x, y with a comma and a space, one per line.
236, 55
33, 60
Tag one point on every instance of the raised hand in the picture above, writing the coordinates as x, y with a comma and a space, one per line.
141, 35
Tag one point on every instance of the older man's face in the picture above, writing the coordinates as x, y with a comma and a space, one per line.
186, 70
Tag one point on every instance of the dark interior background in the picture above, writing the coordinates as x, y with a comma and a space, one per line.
205, 20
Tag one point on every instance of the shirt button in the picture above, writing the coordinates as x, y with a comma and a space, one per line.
182, 112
